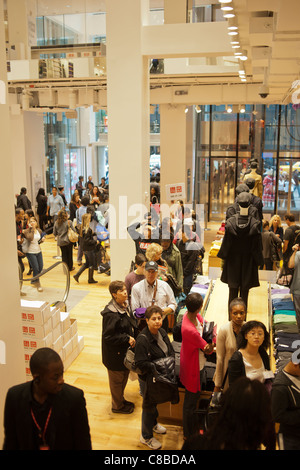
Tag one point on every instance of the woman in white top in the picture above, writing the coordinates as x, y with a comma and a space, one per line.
226, 343
251, 359
33, 251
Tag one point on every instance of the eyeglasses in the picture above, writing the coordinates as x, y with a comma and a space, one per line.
256, 333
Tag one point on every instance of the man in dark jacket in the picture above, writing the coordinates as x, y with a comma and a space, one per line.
285, 402
46, 413
190, 251
119, 330
22, 200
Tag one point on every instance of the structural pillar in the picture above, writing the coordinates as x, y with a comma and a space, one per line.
12, 361
128, 126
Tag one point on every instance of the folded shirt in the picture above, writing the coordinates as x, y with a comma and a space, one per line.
284, 312
280, 318
283, 304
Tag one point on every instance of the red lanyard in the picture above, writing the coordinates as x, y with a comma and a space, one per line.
42, 433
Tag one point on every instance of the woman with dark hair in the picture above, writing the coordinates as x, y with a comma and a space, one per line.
119, 330
41, 210
244, 422
74, 205
152, 343
251, 359
226, 343
60, 230
95, 197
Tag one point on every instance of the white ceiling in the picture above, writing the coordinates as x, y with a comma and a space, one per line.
269, 30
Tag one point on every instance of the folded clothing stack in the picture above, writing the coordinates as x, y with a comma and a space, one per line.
285, 329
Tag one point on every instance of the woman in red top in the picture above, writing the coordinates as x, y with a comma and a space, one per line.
192, 360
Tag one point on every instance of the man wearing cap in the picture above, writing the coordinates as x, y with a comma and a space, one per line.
153, 291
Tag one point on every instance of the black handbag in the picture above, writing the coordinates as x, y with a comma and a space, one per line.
215, 404
162, 387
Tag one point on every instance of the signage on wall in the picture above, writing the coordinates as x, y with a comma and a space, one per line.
175, 191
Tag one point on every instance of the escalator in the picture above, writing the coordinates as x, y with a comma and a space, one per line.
53, 292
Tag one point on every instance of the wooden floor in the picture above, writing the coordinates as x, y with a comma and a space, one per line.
109, 431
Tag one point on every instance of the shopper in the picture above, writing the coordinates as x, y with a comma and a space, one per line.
244, 423
226, 343
46, 402
251, 358
289, 237
172, 256
74, 205
275, 226
54, 204
152, 343
60, 230
153, 291
192, 360
271, 244
285, 399
84, 202
88, 244
294, 263
95, 198
137, 275
119, 331
79, 186
23, 201
41, 211
33, 251
190, 251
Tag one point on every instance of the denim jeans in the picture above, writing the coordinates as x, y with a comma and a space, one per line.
36, 262
149, 415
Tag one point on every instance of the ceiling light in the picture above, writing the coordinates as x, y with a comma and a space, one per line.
242, 109
234, 42
228, 109
229, 15
225, 1
244, 55
237, 46
186, 110
243, 79
198, 109
239, 53
226, 8
232, 33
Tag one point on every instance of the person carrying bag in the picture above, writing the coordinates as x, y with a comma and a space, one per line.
155, 358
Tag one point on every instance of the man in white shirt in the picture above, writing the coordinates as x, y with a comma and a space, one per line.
153, 291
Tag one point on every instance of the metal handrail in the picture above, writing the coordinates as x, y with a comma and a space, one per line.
45, 271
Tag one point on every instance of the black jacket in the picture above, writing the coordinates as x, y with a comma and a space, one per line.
285, 402
236, 367
87, 241
117, 327
189, 252
68, 427
241, 251
147, 350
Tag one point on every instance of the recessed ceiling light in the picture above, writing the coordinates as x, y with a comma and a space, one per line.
229, 15
227, 8
232, 33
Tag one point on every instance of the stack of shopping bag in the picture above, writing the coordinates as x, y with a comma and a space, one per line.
285, 329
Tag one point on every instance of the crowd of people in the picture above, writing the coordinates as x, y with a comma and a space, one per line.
139, 317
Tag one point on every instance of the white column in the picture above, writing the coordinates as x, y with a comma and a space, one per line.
12, 365
172, 146
128, 125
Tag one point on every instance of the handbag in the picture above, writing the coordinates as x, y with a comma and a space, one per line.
162, 387
72, 235
215, 404
129, 360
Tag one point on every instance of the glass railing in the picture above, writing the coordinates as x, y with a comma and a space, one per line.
54, 283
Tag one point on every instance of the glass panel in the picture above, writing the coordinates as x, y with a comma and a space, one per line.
290, 129
224, 131
269, 182
270, 123
288, 187
222, 186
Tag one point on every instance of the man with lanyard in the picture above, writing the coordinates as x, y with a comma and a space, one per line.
153, 291
46, 413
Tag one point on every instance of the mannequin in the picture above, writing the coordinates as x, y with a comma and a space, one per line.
235, 208
241, 250
258, 187
255, 200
